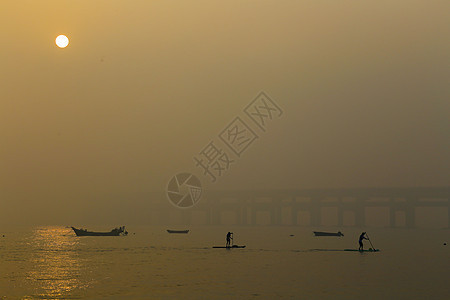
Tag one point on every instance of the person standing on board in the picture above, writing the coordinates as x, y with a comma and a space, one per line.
361, 238
229, 234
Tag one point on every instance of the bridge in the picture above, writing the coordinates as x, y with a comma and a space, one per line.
284, 206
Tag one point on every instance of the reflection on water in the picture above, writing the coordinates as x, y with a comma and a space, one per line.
56, 266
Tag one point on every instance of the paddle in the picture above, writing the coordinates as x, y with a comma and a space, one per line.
370, 242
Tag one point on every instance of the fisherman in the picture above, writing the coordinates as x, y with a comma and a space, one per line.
229, 237
361, 238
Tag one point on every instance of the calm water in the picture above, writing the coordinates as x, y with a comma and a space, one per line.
52, 263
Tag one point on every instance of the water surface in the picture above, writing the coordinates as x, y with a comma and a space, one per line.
52, 263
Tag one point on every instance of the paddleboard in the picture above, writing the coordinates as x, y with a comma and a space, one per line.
356, 250
229, 247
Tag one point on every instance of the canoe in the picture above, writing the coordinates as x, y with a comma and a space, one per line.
369, 250
114, 232
177, 231
229, 247
321, 233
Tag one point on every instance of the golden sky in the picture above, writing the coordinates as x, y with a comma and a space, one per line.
144, 85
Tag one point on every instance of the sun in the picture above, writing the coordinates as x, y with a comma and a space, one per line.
62, 41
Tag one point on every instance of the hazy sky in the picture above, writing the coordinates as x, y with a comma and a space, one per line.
145, 85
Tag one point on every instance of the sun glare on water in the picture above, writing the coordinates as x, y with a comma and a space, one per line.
62, 41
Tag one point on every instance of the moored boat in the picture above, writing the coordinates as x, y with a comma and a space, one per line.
321, 233
177, 231
114, 232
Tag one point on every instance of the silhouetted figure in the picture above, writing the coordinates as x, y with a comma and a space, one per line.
229, 237
361, 238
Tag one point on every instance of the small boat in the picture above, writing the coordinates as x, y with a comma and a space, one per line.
229, 247
321, 233
114, 232
177, 231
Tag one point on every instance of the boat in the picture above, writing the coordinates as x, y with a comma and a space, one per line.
229, 247
177, 231
114, 232
357, 250
321, 233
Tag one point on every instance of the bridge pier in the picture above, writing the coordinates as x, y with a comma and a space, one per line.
294, 211
360, 213
294, 214
340, 215
316, 214
410, 212
244, 217
273, 216
253, 217
238, 215
392, 219
410, 217
276, 212
448, 216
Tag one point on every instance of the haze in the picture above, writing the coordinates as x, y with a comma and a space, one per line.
144, 85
